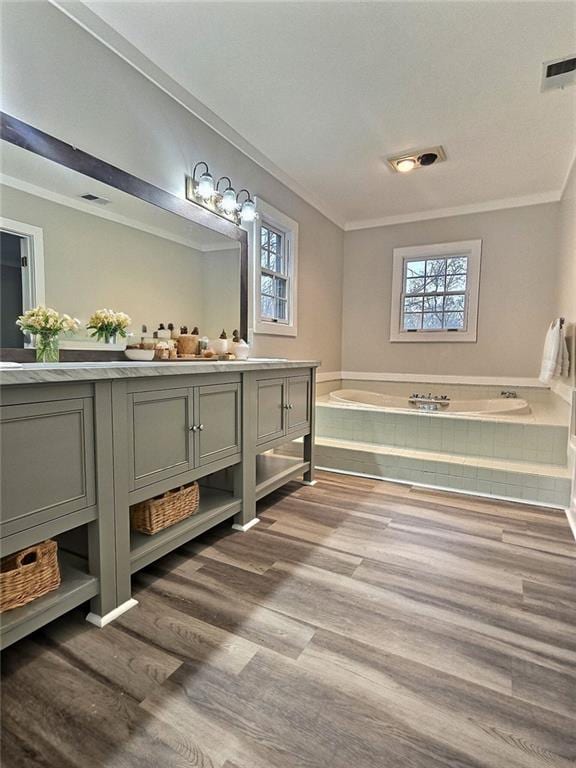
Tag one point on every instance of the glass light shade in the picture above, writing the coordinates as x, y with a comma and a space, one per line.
205, 186
248, 212
228, 203
406, 165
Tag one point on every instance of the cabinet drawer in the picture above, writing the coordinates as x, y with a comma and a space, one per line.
48, 463
160, 442
217, 412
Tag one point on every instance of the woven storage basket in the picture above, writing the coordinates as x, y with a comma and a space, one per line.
28, 574
156, 514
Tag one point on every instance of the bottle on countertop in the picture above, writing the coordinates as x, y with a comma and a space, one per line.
162, 332
173, 332
220, 345
240, 348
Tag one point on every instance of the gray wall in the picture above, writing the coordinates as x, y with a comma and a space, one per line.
517, 294
59, 78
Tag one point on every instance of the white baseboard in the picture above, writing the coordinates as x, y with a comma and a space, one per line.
427, 378
244, 528
101, 621
328, 376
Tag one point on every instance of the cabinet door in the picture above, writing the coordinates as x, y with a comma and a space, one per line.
271, 411
217, 417
161, 441
298, 398
47, 467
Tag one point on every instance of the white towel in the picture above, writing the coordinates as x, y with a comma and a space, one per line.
555, 361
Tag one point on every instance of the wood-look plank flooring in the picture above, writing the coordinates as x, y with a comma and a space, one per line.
361, 624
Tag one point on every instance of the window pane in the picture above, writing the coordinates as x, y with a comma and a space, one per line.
267, 306
281, 287
412, 322
274, 242
264, 236
414, 285
412, 304
433, 304
457, 265
267, 285
415, 268
456, 283
264, 258
281, 309
454, 303
454, 320
434, 285
435, 267
432, 320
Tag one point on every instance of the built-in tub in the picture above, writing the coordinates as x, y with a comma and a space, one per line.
498, 406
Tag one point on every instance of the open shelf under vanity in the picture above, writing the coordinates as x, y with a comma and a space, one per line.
273, 471
77, 587
215, 507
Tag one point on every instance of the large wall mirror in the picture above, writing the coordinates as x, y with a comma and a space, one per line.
74, 242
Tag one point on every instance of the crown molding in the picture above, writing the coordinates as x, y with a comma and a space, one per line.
78, 12
459, 210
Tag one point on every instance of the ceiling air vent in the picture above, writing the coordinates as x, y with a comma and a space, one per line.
416, 158
95, 199
559, 73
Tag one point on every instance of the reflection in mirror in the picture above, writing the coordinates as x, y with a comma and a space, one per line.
78, 245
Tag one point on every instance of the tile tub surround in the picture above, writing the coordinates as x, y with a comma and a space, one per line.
517, 457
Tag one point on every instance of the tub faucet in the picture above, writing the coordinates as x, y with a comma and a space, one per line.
508, 394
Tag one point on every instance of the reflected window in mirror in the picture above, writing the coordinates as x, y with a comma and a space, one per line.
274, 251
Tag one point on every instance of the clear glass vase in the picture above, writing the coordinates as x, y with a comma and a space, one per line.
47, 349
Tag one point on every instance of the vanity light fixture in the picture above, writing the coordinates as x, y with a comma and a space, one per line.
219, 197
247, 208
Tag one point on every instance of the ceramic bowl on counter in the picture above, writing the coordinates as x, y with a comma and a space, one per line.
141, 355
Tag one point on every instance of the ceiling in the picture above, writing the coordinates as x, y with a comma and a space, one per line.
326, 90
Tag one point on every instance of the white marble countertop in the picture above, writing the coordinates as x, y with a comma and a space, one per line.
45, 373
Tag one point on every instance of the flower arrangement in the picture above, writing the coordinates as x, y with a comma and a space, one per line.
46, 324
107, 324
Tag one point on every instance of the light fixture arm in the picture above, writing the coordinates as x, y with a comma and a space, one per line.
196, 167
248, 199
221, 179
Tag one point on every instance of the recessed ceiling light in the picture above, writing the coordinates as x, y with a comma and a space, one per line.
417, 158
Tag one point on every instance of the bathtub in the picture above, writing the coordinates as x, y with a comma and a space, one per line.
480, 407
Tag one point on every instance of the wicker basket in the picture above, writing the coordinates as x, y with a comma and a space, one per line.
156, 514
28, 574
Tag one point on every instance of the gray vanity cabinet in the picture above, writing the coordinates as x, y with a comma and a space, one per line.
161, 441
47, 461
173, 431
218, 427
299, 402
283, 407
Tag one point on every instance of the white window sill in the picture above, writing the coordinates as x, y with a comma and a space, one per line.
274, 329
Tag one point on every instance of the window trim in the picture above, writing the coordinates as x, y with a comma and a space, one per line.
470, 248
267, 214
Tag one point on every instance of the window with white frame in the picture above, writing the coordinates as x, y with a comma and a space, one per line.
275, 261
435, 292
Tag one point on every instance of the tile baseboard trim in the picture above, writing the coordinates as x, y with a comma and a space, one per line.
328, 376
102, 621
563, 390
444, 489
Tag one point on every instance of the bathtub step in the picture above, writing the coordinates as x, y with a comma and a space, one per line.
539, 483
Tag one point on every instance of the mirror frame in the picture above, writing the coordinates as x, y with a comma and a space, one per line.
34, 140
